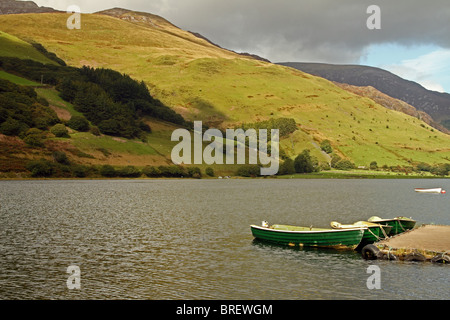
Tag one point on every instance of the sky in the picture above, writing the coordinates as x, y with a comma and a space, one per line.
413, 40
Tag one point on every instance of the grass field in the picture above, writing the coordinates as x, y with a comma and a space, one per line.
203, 82
17, 80
12, 46
52, 96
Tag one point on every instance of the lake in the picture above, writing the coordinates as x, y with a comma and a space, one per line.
190, 239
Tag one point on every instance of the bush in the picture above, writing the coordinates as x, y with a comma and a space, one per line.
164, 171
287, 167
424, 167
61, 157
209, 172
151, 172
34, 137
326, 146
108, 171
373, 165
41, 123
303, 163
194, 172
440, 170
344, 165
78, 123
40, 168
250, 170
129, 172
334, 160
80, 171
144, 127
60, 131
173, 171
12, 127
95, 131
324, 166
110, 127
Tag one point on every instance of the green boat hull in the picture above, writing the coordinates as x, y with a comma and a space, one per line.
306, 237
375, 233
399, 224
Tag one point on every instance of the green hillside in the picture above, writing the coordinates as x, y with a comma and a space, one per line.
17, 80
203, 82
11, 46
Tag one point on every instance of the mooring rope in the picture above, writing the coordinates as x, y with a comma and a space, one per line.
377, 237
401, 226
389, 253
382, 230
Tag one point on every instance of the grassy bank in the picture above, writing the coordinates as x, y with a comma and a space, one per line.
361, 174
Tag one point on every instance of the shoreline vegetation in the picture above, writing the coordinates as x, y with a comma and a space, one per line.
196, 173
304, 166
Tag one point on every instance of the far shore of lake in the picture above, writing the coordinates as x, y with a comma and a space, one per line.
329, 174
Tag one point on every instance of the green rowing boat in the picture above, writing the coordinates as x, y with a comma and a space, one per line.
309, 237
374, 232
399, 224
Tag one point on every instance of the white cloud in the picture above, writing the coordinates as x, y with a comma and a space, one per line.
431, 70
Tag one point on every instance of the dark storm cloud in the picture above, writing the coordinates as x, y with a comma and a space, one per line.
298, 30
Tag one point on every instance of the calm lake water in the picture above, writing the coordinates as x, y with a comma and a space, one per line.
190, 239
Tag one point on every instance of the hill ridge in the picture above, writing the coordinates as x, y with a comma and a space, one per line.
137, 16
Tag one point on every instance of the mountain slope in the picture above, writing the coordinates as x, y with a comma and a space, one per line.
13, 7
204, 82
392, 103
436, 104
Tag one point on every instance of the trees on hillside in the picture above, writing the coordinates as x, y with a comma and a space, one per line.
21, 109
110, 100
114, 102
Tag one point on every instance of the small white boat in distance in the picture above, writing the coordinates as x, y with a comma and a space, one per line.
429, 190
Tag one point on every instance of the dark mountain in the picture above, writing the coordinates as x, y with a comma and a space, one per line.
436, 104
13, 7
